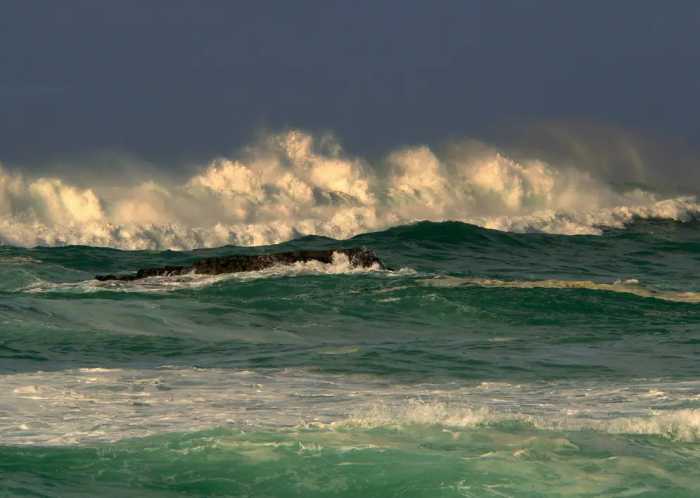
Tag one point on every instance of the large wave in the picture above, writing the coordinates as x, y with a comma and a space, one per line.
294, 183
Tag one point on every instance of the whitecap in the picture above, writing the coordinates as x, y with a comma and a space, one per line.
293, 183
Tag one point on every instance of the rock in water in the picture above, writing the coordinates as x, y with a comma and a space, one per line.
358, 257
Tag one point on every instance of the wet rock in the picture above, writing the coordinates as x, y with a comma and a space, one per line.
358, 257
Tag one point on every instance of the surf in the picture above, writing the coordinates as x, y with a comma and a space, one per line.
293, 184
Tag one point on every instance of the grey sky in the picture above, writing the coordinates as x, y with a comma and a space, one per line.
171, 81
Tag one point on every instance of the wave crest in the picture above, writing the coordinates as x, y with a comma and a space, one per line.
293, 183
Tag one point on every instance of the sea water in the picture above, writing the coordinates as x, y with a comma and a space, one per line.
480, 364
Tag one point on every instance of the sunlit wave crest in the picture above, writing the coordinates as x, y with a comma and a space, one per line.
294, 183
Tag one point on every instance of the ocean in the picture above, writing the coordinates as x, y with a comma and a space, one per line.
483, 363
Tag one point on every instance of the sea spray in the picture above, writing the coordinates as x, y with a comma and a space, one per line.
292, 184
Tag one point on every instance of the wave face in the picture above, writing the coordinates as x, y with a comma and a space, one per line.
292, 184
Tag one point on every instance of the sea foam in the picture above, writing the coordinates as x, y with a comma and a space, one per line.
293, 183
41, 406
629, 286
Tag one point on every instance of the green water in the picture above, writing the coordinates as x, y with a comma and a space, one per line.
482, 364
412, 461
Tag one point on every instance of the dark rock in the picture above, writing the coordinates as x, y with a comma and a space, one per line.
359, 257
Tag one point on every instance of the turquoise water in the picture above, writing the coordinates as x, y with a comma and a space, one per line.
483, 363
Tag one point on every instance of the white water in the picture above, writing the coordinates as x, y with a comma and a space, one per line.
95, 404
292, 183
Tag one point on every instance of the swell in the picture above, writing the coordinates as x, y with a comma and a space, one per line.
464, 302
659, 255
292, 184
375, 323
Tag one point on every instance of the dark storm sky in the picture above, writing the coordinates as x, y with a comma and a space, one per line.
172, 80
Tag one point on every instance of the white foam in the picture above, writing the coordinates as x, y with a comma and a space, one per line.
682, 425
19, 260
592, 221
630, 286
293, 183
95, 404
417, 412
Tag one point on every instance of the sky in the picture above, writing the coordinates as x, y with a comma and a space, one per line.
174, 81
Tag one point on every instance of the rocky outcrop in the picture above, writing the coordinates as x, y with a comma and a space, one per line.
358, 257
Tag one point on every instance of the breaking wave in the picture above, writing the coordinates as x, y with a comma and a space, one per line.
293, 184
680, 425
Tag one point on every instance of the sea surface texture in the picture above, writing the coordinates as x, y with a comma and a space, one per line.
483, 363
